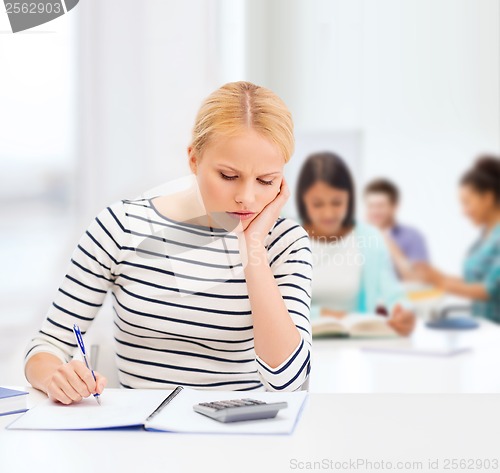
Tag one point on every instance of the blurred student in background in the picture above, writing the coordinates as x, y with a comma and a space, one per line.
480, 199
406, 244
352, 268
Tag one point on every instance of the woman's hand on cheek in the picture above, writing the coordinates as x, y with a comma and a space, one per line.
259, 227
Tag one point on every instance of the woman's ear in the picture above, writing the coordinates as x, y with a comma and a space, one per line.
193, 160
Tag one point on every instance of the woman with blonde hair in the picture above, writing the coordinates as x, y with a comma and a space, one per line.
210, 286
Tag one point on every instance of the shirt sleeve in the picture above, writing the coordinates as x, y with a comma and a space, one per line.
389, 289
290, 260
417, 248
492, 280
90, 274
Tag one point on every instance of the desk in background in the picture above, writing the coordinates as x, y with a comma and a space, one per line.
341, 366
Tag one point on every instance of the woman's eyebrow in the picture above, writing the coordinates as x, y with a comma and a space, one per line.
238, 172
229, 168
271, 173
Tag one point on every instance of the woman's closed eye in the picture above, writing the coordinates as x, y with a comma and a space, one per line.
229, 178
262, 181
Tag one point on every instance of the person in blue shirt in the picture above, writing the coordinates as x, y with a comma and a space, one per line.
352, 267
406, 244
480, 198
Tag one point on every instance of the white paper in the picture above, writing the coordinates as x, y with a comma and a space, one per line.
119, 408
179, 416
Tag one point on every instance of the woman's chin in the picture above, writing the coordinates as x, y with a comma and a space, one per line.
329, 229
246, 223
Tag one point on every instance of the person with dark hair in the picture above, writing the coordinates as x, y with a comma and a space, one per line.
406, 244
480, 198
352, 268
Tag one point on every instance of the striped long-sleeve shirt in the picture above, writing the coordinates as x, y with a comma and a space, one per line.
181, 310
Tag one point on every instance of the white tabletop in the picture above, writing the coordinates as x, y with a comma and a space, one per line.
343, 366
333, 427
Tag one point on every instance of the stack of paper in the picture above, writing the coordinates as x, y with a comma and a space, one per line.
12, 401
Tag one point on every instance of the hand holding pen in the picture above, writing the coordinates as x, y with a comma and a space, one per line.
79, 340
69, 383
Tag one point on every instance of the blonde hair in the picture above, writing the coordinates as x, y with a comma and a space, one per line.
241, 105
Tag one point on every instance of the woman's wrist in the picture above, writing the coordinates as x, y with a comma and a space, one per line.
40, 369
256, 254
443, 282
252, 239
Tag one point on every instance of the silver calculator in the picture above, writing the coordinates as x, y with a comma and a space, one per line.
235, 410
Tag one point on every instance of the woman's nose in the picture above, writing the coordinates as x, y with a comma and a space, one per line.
245, 194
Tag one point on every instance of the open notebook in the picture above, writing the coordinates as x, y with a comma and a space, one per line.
132, 407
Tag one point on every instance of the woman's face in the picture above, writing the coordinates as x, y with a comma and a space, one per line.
326, 207
477, 206
241, 173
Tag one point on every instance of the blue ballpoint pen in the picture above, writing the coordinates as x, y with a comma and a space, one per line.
79, 340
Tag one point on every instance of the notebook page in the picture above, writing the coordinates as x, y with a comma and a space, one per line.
179, 416
119, 408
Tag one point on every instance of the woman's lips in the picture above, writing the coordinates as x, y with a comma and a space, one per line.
329, 223
241, 215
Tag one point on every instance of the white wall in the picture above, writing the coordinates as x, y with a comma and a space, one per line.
431, 103
144, 72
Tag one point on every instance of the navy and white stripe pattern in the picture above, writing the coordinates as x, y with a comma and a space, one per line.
181, 310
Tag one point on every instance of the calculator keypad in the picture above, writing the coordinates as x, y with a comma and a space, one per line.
231, 403
233, 410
